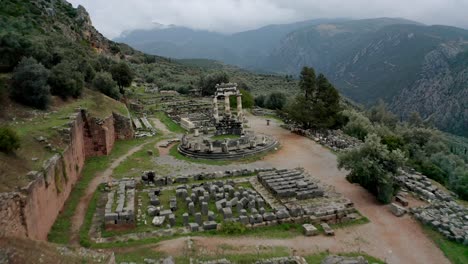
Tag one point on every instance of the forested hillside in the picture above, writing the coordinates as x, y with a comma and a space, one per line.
413, 67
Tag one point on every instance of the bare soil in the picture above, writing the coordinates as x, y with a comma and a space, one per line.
390, 238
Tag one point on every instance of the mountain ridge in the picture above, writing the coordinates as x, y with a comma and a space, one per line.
367, 60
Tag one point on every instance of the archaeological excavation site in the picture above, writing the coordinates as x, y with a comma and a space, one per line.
326, 141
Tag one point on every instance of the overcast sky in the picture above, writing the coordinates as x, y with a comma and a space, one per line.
111, 17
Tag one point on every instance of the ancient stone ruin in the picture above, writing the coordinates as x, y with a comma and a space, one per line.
288, 184
237, 144
120, 206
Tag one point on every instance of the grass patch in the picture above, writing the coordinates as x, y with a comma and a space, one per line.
169, 123
47, 124
138, 161
84, 230
319, 257
60, 232
455, 252
137, 255
262, 253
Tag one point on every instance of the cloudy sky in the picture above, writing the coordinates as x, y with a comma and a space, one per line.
111, 17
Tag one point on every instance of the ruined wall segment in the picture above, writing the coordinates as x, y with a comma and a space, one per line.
31, 211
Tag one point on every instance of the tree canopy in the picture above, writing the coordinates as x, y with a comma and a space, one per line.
373, 166
318, 106
207, 84
30, 84
276, 101
122, 74
104, 83
66, 80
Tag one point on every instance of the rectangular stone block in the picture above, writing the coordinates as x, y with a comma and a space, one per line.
194, 227
227, 213
309, 230
210, 225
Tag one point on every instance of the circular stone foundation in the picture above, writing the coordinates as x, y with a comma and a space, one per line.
204, 147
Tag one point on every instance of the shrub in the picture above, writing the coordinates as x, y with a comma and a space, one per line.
9, 140
373, 166
358, 125
276, 101
260, 100
30, 84
66, 80
104, 83
232, 228
12, 48
208, 83
122, 74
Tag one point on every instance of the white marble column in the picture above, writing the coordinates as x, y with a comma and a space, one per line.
215, 109
227, 106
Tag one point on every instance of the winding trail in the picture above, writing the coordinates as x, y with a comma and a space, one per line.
101, 177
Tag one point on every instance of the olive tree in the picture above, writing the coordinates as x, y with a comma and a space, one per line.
373, 166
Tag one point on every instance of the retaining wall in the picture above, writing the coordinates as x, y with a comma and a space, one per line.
31, 211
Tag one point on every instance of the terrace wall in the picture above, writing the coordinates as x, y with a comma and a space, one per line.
31, 211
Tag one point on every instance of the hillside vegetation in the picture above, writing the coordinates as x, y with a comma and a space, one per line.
413, 67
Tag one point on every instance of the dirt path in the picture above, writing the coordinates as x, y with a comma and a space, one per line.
82, 207
393, 239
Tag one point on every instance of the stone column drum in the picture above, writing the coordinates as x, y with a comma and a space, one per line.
240, 115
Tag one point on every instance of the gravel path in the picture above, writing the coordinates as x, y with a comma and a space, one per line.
395, 240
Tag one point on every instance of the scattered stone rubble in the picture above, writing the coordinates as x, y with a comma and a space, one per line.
443, 213
120, 206
283, 260
448, 218
334, 139
333, 259
143, 127
422, 186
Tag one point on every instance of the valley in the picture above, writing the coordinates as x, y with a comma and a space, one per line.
311, 142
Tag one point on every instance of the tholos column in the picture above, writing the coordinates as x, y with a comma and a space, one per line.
227, 106
240, 115
215, 109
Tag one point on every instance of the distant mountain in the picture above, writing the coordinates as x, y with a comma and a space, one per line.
413, 67
243, 49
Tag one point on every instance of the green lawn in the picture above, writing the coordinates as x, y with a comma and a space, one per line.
169, 123
138, 162
319, 257
455, 252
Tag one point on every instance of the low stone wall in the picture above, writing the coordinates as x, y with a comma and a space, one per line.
31, 211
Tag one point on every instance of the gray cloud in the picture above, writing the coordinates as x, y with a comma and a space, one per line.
114, 16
